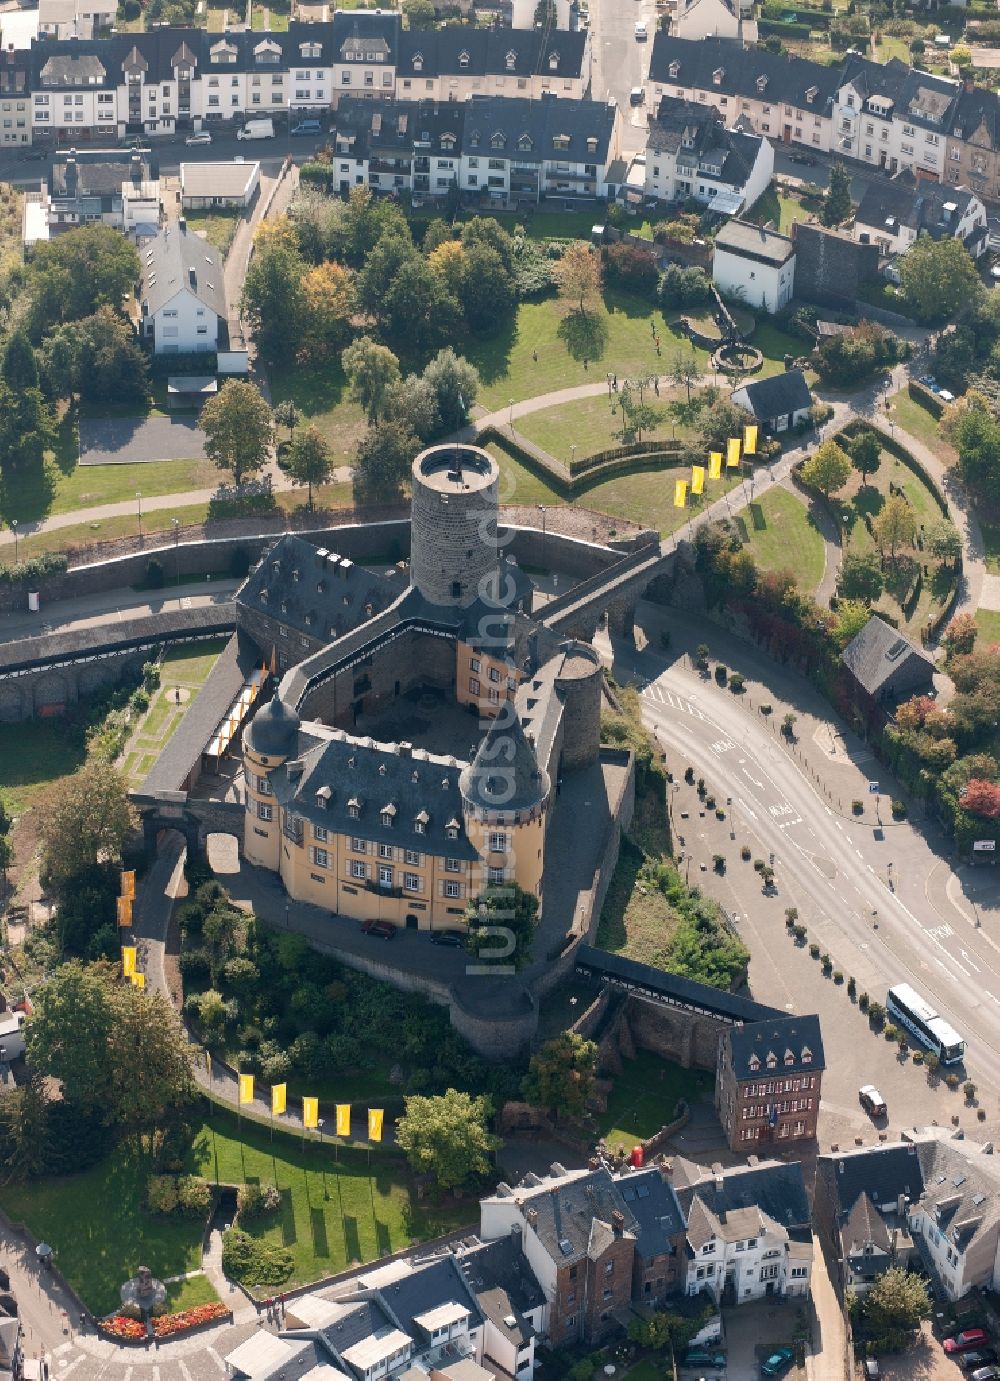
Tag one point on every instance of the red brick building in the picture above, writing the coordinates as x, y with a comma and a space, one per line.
768, 1082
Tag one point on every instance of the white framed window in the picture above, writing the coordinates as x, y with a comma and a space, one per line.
452, 865
320, 833
264, 811
411, 882
384, 876
499, 841
360, 846
453, 889
321, 858
414, 858
358, 869
385, 851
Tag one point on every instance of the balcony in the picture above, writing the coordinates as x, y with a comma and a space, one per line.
398, 166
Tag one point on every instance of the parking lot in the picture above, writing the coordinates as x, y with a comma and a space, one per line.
125, 440
750, 1332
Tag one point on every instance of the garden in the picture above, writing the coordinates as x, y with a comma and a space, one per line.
782, 535
644, 1097
183, 671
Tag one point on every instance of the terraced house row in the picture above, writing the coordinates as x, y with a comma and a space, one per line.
888, 115
188, 79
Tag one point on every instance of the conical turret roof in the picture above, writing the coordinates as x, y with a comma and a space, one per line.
505, 775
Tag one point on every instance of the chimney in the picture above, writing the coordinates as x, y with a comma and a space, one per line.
193, 279
10, 54
182, 225
617, 1222
531, 1217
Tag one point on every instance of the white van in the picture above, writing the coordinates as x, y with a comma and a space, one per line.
262, 128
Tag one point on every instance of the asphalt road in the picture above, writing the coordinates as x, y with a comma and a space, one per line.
620, 60
172, 152
837, 870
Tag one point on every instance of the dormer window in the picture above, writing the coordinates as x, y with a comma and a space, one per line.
387, 815
263, 596
284, 606
511, 61
806, 1055
474, 139
452, 829
717, 75
525, 143
420, 822
267, 51
498, 140
789, 1058
553, 62
222, 52
753, 1062
591, 143
811, 93
354, 808
561, 142
463, 58
674, 70
323, 797
310, 50
762, 83
447, 141
418, 62
771, 1060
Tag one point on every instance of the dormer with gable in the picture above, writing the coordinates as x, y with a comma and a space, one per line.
267, 53
223, 52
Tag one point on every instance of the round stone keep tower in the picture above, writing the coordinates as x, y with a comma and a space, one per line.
453, 542
269, 740
578, 683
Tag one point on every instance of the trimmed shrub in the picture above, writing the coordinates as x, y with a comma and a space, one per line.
952, 1080
161, 1193
863, 1002
253, 1262
194, 1195
254, 1200
814, 950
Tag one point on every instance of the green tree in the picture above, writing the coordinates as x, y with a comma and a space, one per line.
69, 1033
852, 616
286, 414
19, 368
976, 437
148, 1053
560, 1077
865, 451
860, 577
455, 383
239, 429
414, 405
24, 1131
502, 922
945, 541
61, 363
372, 371
382, 462
419, 310
579, 274
898, 1301
74, 274
939, 279
420, 14
365, 221
827, 469
448, 1137
26, 428
894, 526
486, 287
308, 460
83, 819
274, 301
837, 201
488, 232
112, 363
394, 253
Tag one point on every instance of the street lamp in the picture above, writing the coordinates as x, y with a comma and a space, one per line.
175, 523
572, 457
13, 528
545, 544
138, 499
510, 414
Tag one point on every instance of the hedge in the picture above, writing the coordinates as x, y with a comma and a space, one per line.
191, 362
589, 470
782, 29
921, 394
889, 443
34, 571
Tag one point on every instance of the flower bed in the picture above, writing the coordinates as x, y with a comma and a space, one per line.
167, 1325
123, 1329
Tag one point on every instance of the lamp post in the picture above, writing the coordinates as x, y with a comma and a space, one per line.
545, 544
175, 523
13, 528
510, 413
138, 499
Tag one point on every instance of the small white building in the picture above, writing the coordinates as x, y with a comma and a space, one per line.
778, 403
204, 185
691, 153
182, 294
11, 1036
755, 265
713, 19
74, 18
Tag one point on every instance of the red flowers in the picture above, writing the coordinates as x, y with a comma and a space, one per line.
169, 1324
121, 1326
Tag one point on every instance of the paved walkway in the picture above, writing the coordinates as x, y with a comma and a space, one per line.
90, 610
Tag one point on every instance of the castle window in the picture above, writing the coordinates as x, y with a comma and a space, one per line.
452, 865
420, 822
499, 842
320, 858
360, 846
451, 832
358, 869
387, 815
414, 859
320, 833
411, 882
354, 808
385, 851
453, 889
264, 811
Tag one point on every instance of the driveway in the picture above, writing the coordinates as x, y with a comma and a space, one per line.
752, 1329
125, 440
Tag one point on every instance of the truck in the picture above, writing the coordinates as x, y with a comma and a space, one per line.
262, 128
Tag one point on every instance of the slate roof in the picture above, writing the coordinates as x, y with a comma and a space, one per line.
314, 591
390, 126
263, 1357
654, 1206
864, 1226
573, 1212
696, 134
880, 1172
878, 652
674, 989
796, 1036
425, 1288
787, 79
99, 172
355, 1320
773, 1188
504, 1284
918, 205
177, 260
754, 242
505, 774
515, 127
961, 1188
781, 395
375, 775
436, 52
974, 110
886, 80
927, 101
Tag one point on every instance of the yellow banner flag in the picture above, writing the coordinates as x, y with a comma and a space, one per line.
680, 493
375, 1124
343, 1119
278, 1098
697, 479
733, 452
714, 464
750, 441
310, 1112
128, 960
124, 910
128, 884
246, 1088
139, 981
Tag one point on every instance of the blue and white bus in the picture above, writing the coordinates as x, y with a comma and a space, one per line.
905, 1005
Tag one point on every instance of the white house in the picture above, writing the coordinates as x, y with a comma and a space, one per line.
74, 18
755, 265
11, 1036
182, 295
748, 1230
894, 214
712, 19
219, 184
778, 403
691, 153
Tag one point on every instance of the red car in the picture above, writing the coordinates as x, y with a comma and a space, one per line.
965, 1342
382, 930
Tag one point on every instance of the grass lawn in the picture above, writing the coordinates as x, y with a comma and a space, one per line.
321, 395
646, 1370
645, 1096
273, 17
914, 418
548, 225
888, 48
186, 1294
218, 226
774, 344
33, 755
781, 208
589, 425
332, 1212
782, 536
186, 667
988, 623
991, 541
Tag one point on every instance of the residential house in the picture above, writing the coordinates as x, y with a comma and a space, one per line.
831, 267
894, 214
659, 1265
778, 403
861, 1203
15, 96
182, 293
514, 149
748, 1230
893, 117
972, 145
787, 98
456, 63
118, 187
578, 1236
691, 153
264, 1357
755, 265
769, 1077
75, 18
885, 666
231, 184
697, 19
397, 146
12, 1044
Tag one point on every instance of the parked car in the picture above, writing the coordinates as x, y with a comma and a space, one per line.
455, 939
700, 1357
777, 1362
307, 127
946, 395
806, 159
637, 95
872, 1372
382, 930
33, 156
872, 1101
980, 1358
986, 1374
965, 1341
640, 29
201, 136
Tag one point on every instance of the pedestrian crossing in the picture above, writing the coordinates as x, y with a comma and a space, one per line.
656, 692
